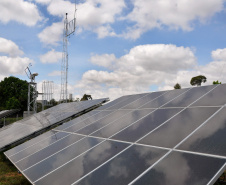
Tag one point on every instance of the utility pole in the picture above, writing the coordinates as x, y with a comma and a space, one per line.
69, 28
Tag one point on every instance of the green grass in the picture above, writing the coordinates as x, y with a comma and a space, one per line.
9, 174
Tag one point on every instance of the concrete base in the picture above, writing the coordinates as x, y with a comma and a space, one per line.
26, 114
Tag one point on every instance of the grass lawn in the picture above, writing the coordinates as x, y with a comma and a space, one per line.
9, 174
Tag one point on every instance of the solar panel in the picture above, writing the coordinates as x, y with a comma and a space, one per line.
169, 137
40, 121
6, 113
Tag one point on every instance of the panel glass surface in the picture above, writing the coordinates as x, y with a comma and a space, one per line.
119, 124
61, 158
125, 167
182, 168
112, 103
215, 97
210, 138
130, 99
189, 97
141, 101
29, 143
164, 99
43, 153
73, 125
102, 122
83, 164
145, 125
180, 126
40, 121
15, 132
38, 146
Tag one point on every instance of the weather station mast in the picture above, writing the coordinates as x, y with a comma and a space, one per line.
69, 28
32, 92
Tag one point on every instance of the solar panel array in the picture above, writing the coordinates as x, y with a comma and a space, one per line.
6, 113
37, 122
171, 137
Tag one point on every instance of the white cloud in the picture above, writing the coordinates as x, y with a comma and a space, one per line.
10, 48
55, 73
92, 15
20, 11
104, 60
143, 66
147, 65
13, 66
175, 14
51, 57
219, 54
43, 1
51, 35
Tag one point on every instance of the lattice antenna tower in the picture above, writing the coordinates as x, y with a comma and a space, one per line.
47, 93
32, 91
69, 28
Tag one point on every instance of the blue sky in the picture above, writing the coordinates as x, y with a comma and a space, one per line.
119, 47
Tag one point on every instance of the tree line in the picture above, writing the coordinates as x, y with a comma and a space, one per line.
14, 95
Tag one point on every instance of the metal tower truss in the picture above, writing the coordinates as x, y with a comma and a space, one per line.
32, 91
32, 97
69, 28
47, 93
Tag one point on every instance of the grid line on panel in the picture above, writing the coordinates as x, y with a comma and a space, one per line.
55, 115
43, 148
145, 94
173, 116
199, 127
174, 148
88, 118
140, 98
217, 174
32, 145
68, 161
121, 141
102, 164
177, 144
114, 104
101, 142
166, 93
199, 153
138, 177
117, 102
20, 171
151, 113
132, 111
120, 118
54, 154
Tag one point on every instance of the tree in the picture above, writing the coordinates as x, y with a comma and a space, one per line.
53, 102
216, 82
177, 86
13, 103
197, 80
86, 97
12, 88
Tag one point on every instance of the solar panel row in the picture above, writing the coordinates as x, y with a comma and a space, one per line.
169, 137
37, 122
6, 113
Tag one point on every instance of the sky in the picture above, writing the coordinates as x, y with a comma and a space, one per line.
119, 47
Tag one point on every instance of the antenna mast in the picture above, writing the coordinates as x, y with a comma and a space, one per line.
69, 28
